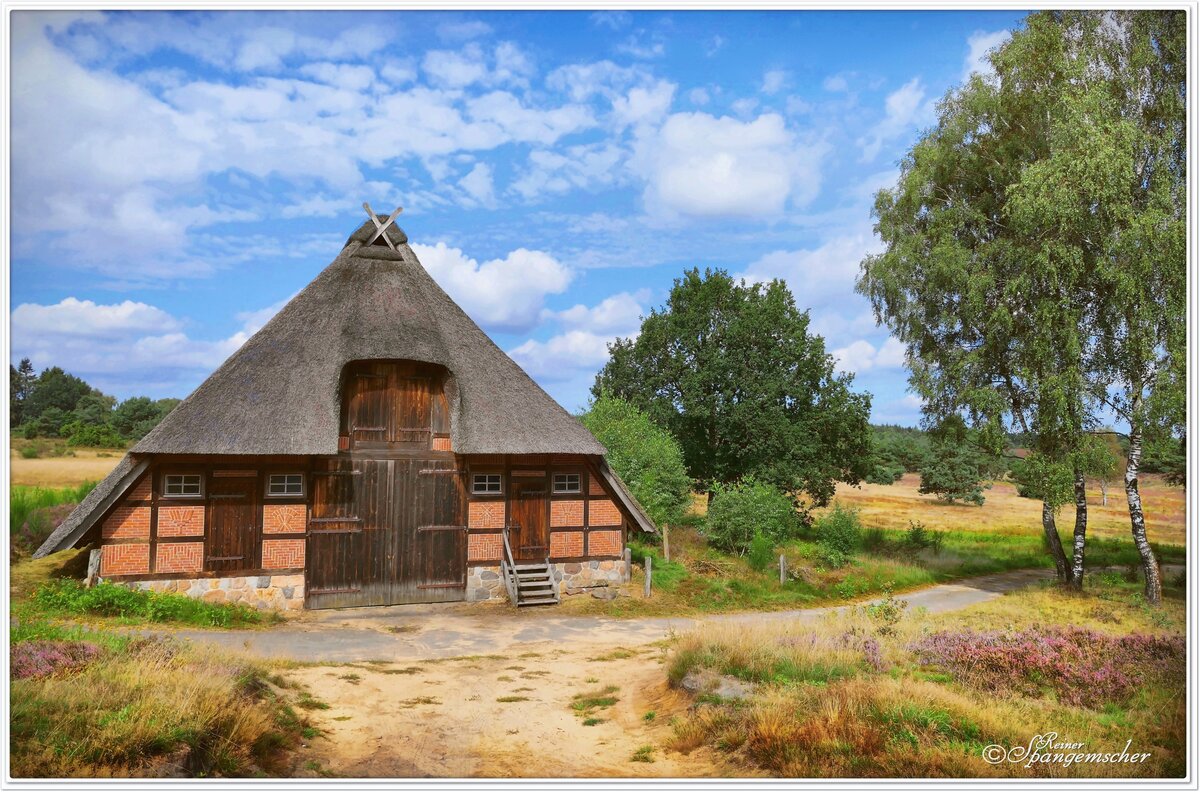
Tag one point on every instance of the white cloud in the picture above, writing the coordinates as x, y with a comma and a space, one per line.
644, 105
502, 294
478, 185
979, 44
700, 165
613, 20
463, 30
862, 355
643, 45
904, 108
774, 81
584, 167
349, 77
582, 347
125, 347
562, 357
619, 314
84, 318
455, 68
698, 96
835, 83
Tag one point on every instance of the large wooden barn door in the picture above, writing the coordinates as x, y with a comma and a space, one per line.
433, 564
386, 531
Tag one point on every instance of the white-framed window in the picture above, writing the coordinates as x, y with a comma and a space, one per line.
486, 484
566, 483
183, 485
285, 485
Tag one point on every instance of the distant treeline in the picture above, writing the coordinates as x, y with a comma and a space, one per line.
57, 404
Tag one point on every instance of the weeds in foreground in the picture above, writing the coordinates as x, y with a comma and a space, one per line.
65, 596
135, 706
585, 704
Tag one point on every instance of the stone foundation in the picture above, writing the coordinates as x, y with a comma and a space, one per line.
484, 582
575, 577
282, 592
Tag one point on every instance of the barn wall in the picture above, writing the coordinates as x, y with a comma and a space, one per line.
159, 543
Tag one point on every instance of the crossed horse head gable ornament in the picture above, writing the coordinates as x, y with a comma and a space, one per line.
381, 227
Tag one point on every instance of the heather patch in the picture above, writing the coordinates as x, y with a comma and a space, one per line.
1079, 666
43, 658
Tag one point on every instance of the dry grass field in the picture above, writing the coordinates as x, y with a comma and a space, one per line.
59, 466
1006, 512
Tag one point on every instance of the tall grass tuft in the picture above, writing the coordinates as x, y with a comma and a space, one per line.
26, 502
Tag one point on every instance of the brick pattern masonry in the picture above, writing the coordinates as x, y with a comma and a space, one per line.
124, 559
141, 492
603, 512
566, 544
566, 514
484, 547
127, 522
181, 521
283, 553
289, 518
179, 557
604, 543
487, 514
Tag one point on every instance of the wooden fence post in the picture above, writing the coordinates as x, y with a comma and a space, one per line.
628, 565
782, 569
666, 544
93, 569
649, 572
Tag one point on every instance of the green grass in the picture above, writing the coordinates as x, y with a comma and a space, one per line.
511, 699
587, 703
60, 597
25, 502
643, 754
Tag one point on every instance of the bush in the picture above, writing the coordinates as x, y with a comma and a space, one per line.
739, 512
761, 552
953, 473
92, 435
30, 452
108, 599
644, 455
885, 474
838, 534
43, 658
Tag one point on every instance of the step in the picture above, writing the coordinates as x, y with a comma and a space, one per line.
537, 601
531, 567
534, 576
535, 586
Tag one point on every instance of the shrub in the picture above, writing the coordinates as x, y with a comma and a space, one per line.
885, 474
109, 599
79, 433
739, 512
838, 533
43, 658
761, 552
953, 472
1081, 666
30, 452
644, 455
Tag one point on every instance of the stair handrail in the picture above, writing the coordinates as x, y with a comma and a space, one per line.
553, 580
508, 567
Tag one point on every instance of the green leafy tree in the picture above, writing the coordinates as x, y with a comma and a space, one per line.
732, 371
136, 416
94, 408
55, 389
20, 384
1007, 237
644, 455
746, 509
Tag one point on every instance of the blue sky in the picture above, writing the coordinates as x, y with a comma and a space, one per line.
177, 177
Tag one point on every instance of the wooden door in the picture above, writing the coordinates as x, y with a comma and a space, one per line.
349, 558
529, 521
429, 513
233, 531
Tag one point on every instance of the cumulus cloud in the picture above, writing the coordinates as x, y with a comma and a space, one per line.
979, 44
505, 294
478, 185
125, 347
582, 348
774, 81
819, 274
697, 164
904, 108
862, 355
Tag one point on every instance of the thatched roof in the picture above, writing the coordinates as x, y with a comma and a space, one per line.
278, 394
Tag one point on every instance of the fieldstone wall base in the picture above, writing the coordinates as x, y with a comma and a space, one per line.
281, 592
574, 578
484, 583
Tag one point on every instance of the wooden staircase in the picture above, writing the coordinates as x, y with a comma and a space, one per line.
528, 583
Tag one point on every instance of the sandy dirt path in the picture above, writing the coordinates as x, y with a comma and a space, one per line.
499, 716
456, 692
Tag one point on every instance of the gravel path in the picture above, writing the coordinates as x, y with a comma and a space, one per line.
422, 632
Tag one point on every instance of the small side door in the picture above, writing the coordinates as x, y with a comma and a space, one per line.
234, 540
